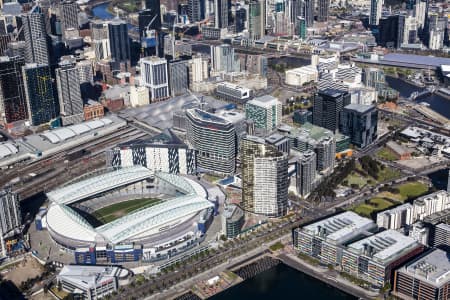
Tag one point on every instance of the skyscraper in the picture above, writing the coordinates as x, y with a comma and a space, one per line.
69, 15
10, 216
328, 105
306, 172
154, 76
265, 179
264, 111
178, 75
41, 104
359, 122
13, 106
306, 11
155, 7
323, 7
256, 19
240, 19
215, 139
119, 40
35, 37
223, 59
325, 154
390, 31
221, 10
375, 11
100, 40
69, 93
196, 10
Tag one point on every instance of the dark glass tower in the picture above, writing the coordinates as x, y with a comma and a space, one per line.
12, 91
41, 103
155, 7
119, 40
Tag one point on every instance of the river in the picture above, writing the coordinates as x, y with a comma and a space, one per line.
101, 11
283, 282
437, 103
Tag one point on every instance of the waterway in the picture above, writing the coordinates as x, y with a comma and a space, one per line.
282, 282
437, 103
101, 11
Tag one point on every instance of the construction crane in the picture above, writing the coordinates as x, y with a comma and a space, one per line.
150, 38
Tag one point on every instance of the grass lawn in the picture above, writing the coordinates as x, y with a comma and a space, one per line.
355, 178
390, 196
117, 210
386, 154
412, 189
364, 209
387, 174
380, 203
276, 246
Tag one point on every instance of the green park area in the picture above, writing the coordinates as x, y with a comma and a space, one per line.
386, 154
390, 197
369, 172
110, 213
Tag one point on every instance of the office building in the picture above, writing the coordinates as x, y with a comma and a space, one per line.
240, 19
155, 7
360, 123
328, 105
118, 40
440, 236
36, 49
257, 19
13, 105
420, 13
223, 59
376, 7
322, 141
233, 93
91, 282
198, 69
68, 10
375, 258
306, 11
264, 111
154, 76
164, 152
178, 77
425, 278
323, 7
306, 173
221, 10
265, 179
302, 75
10, 216
302, 116
69, 92
41, 104
391, 31
396, 217
410, 30
232, 221
281, 142
100, 40
325, 239
420, 232
215, 138
430, 204
196, 10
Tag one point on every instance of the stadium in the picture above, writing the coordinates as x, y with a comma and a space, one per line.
128, 214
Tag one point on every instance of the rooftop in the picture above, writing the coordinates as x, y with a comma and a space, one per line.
360, 108
417, 59
331, 92
166, 138
87, 277
264, 101
341, 228
433, 268
388, 245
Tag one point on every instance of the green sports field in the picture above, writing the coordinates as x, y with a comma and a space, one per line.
110, 213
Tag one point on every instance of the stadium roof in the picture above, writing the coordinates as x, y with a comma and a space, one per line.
101, 183
7, 149
65, 221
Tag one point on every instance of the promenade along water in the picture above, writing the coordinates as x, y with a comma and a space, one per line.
282, 282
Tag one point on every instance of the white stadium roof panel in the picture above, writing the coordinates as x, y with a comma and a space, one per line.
95, 124
53, 138
7, 149
95, 185
106, 121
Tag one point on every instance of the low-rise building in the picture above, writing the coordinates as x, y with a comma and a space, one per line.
400, 152
93, 110
374, 258
426, 278
324, 239
302, 75
92, 282
234, 93
232, 221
